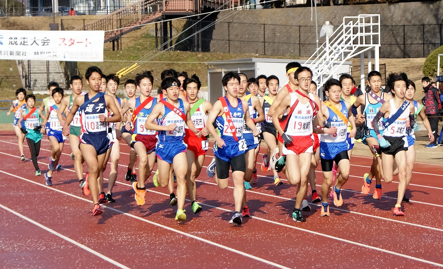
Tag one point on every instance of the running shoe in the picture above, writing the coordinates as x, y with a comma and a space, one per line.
180, 216
280, 164
196, 207
84, 185
236, 218
366, 186
139, 194
338, 199
274, 158
325, 212
315, 198
211, 169
128, 175
154, 179
133, 177
72, 156
247, 185
397, 211
405, 199
97, 210
51, 164
109, 198
297, 216
277, 181
377, 194
265, 164
38, 173
48, 179
58, 168
245, 212
254, 178
305, 205
22, 158
431, 146
102, 198
172, 199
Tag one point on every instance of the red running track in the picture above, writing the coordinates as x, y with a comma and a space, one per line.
52, 226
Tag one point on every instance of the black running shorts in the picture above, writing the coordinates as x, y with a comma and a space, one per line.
237, 163
397, 144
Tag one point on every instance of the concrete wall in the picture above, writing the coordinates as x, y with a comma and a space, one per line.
409, 29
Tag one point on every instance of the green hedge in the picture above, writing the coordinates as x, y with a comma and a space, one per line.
430, 66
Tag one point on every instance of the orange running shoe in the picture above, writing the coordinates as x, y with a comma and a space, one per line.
139, 194
254, 178
315, 198
102, 198
397, 211
97, 210
265, 163
366, 186
338, 201
377, 194
245, 211
325, 213
84, 185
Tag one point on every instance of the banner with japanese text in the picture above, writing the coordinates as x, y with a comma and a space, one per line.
79, 46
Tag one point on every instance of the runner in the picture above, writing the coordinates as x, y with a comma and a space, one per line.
172, 114
18, 106
48, 101
229, 115
93, 108
297, 134
114, 136
262, 85
130, 89
65, 107
333, 143
372, 101
393, 143
197, 146
268, 129
33, 129
182, 76
55, 135
347, 84
410, 154
143, 139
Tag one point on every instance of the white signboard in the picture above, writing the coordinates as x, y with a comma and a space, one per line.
81, 46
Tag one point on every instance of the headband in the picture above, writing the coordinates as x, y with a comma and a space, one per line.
291, 70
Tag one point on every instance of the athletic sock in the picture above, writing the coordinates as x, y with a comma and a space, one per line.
378, 186
172, 195
296, 210
325, 206
337, 191
368, 180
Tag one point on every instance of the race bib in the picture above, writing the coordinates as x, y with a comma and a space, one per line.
178, 131
31, 123
205, 144
255, 140
267, 118
242, 146
141, 129
94, 125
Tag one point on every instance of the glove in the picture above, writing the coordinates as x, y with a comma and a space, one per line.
327, 124
384, 143
24, 131
286, 139
38, 128
416, 127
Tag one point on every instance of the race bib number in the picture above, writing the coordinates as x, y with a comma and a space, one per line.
141, 129
255, 140
94, 125
31, 124
18, 113
242, 146
76, 119
205, 144
178, 131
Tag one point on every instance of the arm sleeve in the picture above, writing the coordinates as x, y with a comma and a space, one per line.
375, 122
354, 110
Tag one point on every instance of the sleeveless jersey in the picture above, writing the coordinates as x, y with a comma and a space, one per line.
352, 101
266, 107
171, 117
398, 127
54, 123
371, 110
199, 118
19, 111
76, 120
142, 116
300, 122
237, 116
335, 120
411, 130
253, 114
33, 120
89, 116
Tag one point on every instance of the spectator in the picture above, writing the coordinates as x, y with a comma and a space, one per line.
433, 107
71, 12
434, 84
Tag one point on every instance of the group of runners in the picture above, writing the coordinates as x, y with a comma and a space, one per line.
173, 128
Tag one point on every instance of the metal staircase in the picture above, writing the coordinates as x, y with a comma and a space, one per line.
352, 38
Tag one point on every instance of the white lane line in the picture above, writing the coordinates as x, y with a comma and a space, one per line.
65, 238
236, 251
248, 255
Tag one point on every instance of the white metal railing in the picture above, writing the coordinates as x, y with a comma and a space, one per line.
356, 35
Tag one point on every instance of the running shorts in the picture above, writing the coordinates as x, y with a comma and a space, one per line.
99, 141
197, 145
75, 130
326, 165
299, 144
166, 151
316, 142
328, 151
148, 140
350, 141
237, 163
251, 141
411, 140
372, 134
269, 128
229, 151
57, 134
397, 144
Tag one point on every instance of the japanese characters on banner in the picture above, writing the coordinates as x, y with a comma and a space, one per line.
80, 46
